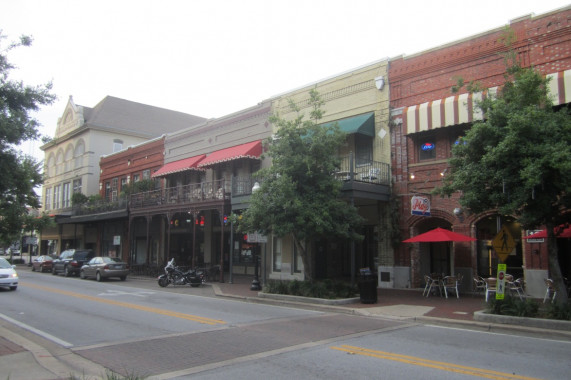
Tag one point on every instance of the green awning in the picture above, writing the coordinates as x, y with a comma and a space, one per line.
362, 124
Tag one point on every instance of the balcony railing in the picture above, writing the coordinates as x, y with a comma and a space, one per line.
191, 193
243, 185
99, 207
363, 171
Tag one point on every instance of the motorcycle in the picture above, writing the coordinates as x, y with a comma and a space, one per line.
173, 275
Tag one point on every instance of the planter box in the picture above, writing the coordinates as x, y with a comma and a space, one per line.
551, 324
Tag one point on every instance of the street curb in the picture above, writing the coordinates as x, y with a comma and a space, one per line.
488, 322
540, 323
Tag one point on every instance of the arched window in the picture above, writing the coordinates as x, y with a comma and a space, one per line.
51, 166
78, 154
59, 162
69, 158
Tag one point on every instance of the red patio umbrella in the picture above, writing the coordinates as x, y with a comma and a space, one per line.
438, 235
566, 233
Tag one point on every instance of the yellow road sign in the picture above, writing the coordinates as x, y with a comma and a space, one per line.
503, 244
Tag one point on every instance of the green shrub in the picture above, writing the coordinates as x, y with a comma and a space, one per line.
513, 307
317, 289
558, 311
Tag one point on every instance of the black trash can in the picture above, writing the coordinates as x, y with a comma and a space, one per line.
368, 288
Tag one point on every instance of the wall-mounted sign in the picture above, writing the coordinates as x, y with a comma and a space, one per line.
420, 206
427, 146
255, 237
117, 240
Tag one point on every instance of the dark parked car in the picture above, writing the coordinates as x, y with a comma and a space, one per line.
42, 263
71, 260
104, 267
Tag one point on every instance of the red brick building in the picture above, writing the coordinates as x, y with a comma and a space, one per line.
427, 120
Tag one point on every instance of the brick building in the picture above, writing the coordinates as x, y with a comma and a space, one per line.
427, 120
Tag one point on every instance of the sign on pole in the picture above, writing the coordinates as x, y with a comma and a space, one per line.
501, 282
503, 244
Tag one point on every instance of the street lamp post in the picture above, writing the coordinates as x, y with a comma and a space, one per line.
256, 281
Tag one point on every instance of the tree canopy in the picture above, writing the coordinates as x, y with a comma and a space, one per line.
518, 159
20, 173
298, 194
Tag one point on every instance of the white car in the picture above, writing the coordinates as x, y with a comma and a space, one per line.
8, 275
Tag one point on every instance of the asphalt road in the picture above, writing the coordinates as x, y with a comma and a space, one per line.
136, 327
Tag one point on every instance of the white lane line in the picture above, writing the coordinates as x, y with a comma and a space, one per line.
41, 333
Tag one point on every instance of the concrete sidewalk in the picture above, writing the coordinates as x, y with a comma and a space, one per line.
22, 359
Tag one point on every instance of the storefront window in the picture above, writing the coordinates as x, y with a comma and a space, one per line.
277, 254
297, 260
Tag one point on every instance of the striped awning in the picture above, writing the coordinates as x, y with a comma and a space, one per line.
460, 109
179, 166
249, 150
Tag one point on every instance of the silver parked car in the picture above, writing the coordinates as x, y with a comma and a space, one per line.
104, 267
8, 275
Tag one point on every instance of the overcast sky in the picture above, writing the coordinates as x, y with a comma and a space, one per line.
212, 58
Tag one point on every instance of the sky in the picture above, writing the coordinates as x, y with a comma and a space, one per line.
215, 57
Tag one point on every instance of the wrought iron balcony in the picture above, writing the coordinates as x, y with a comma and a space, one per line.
186, 194
368, 171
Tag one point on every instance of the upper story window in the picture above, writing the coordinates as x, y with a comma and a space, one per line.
363, 150
48, 199
77, 185
426, 150
78, 154
146, 174
117, 145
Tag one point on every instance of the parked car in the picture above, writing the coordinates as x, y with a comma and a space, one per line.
8, 274
71, 260
14, 251
42, 263
104, 267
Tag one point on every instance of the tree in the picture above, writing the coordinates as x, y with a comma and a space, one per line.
518, 159
20, 173
298, 194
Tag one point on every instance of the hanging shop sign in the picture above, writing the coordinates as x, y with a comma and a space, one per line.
420, 206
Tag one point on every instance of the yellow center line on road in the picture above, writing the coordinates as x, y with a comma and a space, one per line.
465, 370
155, 310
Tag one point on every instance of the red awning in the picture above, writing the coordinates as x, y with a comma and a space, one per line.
179, 166
559, 232
249, 150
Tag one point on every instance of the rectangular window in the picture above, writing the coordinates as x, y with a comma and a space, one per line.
136, 178
117, 145
77, 185
66, 196
146, 174
57, 196
277, 254
123, 184
427, 150
48, 199
363, 150
297, 260
108, 190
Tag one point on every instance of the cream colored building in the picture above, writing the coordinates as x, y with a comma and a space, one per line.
71, 162
358, 100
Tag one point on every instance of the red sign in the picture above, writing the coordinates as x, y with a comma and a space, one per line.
420, 206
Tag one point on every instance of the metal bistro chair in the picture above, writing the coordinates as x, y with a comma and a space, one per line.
490, 286
427, 281
435, 281
550, 291
452, 283
517, 287
479, 284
